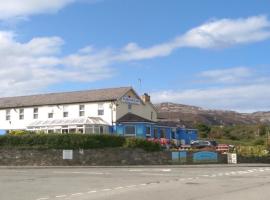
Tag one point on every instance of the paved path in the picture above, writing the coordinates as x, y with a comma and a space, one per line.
164, 182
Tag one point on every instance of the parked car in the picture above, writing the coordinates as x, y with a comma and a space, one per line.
199, 144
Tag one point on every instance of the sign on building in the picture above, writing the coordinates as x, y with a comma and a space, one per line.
130, 100
205, 157
67, 154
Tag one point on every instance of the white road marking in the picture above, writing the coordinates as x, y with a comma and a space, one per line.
75, 172
135, 170
166, 170
118, 188
131, 186
206, 175
107, 189
77, 194
153, 174
92, 191
61, 196
157, 182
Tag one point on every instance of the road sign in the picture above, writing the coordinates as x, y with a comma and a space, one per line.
232, 158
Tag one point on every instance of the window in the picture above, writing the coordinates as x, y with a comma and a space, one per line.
65, 111
72, 130
50, 115
81, 110
100, 109
8, 114
173, 135
130, 130
64, 129
65, 114
96, 129
50, 131
162, 133
101, 130
89, 129
21, 113
129, 107
155, 133
148, 131
79, 129
35, 113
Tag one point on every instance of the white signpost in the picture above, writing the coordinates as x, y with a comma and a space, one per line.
67, 154
232, 158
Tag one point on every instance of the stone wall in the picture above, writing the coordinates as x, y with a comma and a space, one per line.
104, 157
109, 157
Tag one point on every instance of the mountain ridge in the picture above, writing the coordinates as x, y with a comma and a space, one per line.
188, 115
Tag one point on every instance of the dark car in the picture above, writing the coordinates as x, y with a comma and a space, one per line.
203, 143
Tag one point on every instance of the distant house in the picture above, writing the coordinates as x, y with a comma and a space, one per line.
118, 111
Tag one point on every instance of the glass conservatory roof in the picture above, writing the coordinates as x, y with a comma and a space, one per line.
69, 121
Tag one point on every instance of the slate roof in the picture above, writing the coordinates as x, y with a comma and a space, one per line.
98, 95
129, 117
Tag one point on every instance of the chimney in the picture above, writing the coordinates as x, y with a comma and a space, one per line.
146, 98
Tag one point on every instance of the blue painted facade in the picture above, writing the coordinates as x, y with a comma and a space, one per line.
152, 130
187, 135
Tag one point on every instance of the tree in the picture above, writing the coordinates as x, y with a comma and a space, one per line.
204, 130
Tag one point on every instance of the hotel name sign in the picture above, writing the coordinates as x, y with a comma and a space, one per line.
131, 100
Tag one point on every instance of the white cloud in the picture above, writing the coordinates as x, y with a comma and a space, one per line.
231, 75
214, 34
227, 32
31, 66
248, 95
24, 8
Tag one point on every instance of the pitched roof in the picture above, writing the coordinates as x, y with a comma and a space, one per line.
98, 95
129, 117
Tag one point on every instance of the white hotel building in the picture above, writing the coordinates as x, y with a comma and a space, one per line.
91, 111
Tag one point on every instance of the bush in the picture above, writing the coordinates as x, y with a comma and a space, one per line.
73, 141
252, 151
142, 144
20, 132
258, 142
61, 141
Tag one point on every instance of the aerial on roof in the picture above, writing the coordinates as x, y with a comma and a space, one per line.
109, 94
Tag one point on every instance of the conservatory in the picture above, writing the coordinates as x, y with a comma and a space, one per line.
89, 125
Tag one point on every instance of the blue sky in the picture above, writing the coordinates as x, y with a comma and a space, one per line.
213, 54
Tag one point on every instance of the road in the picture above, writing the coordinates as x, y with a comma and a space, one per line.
205, 182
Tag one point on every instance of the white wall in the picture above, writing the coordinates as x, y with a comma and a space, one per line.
112, 112
91, 110
143, 109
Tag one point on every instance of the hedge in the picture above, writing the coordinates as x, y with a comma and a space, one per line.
73, 141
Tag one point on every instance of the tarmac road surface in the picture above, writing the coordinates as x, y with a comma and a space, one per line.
204, 182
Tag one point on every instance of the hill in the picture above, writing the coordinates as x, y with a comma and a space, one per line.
190, 115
